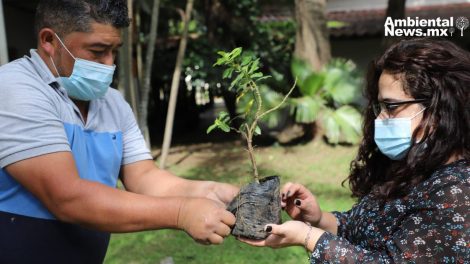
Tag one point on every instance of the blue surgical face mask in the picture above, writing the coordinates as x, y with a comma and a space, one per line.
89, 80
393, 136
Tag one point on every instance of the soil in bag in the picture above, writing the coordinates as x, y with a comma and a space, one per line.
256, 205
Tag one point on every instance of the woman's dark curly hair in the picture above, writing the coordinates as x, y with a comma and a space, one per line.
433, 69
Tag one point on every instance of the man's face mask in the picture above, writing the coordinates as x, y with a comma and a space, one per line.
89, 80
393, 136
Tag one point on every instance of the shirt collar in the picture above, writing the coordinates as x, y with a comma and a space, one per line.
41, 67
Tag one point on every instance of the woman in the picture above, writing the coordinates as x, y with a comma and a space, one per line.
411, 175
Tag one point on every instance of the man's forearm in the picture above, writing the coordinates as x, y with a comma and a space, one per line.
145, 178
107, 209
157, 182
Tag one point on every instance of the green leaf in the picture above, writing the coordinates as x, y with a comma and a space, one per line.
331, 127
254, 66
312, 84
246, 60
306, 109
222, 122
342, 125
235, 53
256, 75
224, 116
212, 127
349, 121
220, 61
344, 92
221, 53
224, 127
249, 106
235, 82
227, 73
257, 130
300, 70
332, 78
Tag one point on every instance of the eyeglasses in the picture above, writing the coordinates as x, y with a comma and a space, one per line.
389, 107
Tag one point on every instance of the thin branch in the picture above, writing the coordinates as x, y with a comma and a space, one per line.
282, 102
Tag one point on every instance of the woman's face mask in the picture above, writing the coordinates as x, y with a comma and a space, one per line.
393, 136
89, 80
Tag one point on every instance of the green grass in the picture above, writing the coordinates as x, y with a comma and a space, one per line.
317, 165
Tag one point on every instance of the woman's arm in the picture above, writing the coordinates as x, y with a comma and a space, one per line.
436, 231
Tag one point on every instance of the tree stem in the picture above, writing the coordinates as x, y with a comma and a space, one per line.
249, 142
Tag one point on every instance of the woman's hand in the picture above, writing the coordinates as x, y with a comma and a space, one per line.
290, 233
300, 203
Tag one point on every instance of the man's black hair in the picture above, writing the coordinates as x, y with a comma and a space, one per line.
66, 16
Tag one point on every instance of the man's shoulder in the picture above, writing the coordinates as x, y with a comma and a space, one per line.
22, 78
23, 64
20, 71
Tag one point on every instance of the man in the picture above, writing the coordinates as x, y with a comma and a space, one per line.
65, 138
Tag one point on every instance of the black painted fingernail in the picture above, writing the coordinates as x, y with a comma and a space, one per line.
297, 202
283, 195
269, 229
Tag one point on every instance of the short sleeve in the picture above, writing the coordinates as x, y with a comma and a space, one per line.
29, 121
134, 146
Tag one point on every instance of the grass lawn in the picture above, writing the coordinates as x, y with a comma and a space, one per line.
317, 165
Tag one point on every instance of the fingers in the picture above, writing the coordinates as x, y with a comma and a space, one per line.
290, 189
273, 240
205, 221
223, 230
228, 218
216, 239
273, 229
256, 243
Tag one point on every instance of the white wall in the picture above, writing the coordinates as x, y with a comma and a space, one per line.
344, 5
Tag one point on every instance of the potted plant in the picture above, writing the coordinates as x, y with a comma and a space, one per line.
257, 203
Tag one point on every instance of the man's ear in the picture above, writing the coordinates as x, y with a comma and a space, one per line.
47, 41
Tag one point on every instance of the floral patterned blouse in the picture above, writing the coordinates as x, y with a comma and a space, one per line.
430, 225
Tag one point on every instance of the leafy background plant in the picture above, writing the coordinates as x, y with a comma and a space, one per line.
328, 97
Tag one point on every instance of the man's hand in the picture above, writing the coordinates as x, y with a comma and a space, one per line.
222, 192
206, 221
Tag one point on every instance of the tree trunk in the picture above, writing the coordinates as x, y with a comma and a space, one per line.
175, 85
145, 84
217, 17
3, 38
395, 10
312, 40
126, 76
